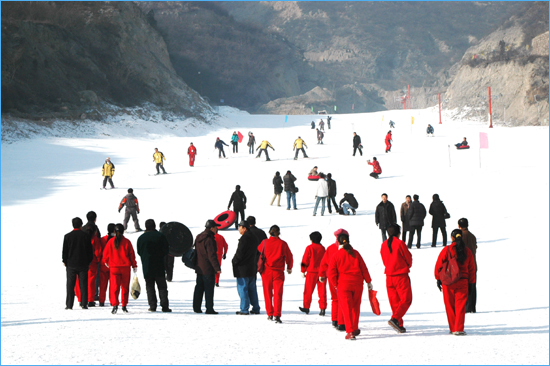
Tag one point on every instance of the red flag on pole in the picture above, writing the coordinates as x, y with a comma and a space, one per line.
483, 140
240, 137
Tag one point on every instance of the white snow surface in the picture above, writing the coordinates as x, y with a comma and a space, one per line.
48, 179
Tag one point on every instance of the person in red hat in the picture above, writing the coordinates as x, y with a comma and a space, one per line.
336, 316
398, 260
347, 271
310, 271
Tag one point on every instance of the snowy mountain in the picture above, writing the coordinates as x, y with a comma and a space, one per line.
48, 179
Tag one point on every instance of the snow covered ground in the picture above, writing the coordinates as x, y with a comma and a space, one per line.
48, 180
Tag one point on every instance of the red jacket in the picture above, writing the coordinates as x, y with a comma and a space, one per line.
221, 244
124, 256
96, 244
375, 167
277, 253
192, 150
104, 241
388, 137
329, 253
311, 260
344, 268
467, 269
399, 261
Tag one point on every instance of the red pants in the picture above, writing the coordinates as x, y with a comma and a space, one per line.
191, 159
400, 295
92, 274
312, 280
120, 278
388, 146
220, 255
349, 301
335, 312
272, 282
103, 282
455, 297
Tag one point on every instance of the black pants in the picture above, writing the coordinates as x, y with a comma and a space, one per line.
221, 152
384, 236
472, 297
357, 148
303, 152
374, 175
241, 212
404, 236
169, 267
266, 154
443, 232
152, 295
418, 229
204, 286
110, 182
251, 149
331, 198
160, 165
83, 283
235, 147
133, 213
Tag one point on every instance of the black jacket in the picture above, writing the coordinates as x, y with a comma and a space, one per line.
278, 184
350, 198
416, 214
245, 263
385, 215
152, 247
356, 141
91, 229
289, 180
207, 258
77, 249
438, 211
259, 234
331, 187
238, 199
219, 144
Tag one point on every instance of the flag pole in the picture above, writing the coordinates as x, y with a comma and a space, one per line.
449, 148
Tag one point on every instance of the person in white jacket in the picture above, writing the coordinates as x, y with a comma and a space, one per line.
321, 195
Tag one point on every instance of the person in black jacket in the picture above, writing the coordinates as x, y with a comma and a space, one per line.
290, 189
331, 193
438, 212
245, 268
312, 125
357, 144
351, 204
278, 186
239, 203
258, 233
219, 145
206, 269
77, 256
251, 142
416, 215
385, 215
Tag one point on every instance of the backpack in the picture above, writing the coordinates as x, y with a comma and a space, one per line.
449, 273
189, 258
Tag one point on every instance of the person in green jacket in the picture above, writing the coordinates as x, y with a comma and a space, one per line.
152, 247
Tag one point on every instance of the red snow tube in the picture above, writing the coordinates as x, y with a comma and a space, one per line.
463, 147
313, 177
225, 219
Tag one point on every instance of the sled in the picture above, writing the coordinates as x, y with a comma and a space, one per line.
462, 147
225, 219
179, 237
313, 177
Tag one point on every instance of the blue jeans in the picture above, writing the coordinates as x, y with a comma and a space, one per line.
346, 206
288, 195
320, 199
246, 286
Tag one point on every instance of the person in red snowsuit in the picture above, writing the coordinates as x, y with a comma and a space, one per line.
91, 229
336, 316
398, 260
376, 169
221, 252
456, 295
346, 271
388, 141
277, 253
192, 151
311, 262
119, 256
104, 272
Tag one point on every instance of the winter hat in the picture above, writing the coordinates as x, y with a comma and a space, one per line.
340, 231
217, 138
210, 224
244, 224
435, 197
130, 190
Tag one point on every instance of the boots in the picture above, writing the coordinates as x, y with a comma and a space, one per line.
322, 312
304, 310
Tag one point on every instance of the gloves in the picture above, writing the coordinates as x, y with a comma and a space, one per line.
321, 279
223, 256
369, 285
135, 269
289, 271
119, 210
303, 275
138, 212
439, 284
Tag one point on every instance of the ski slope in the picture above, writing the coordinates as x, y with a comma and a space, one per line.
49, 179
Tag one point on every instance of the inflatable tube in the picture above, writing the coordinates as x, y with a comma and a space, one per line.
225, 219
462, 147
179, 237
313, 177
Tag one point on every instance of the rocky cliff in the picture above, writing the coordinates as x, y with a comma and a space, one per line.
68, 59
